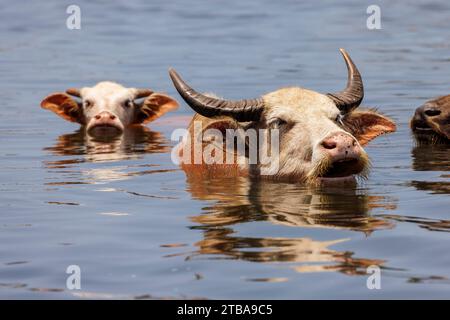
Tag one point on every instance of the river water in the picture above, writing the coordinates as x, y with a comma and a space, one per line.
139, 228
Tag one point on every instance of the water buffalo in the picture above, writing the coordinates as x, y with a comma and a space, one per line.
109, 107
320, 136
431, 121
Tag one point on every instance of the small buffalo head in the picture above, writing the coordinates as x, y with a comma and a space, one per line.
431, 121
108, 106
321, 136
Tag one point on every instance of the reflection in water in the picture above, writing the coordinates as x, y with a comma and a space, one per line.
80, 147
96, 295
239, 200
431, 157
129, 145
426, 223
427, 157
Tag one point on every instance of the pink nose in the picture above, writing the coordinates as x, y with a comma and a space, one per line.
105, 116
340, 146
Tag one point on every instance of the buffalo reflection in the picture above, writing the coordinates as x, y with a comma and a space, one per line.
240, 200
131, 144
427, 157
79, 147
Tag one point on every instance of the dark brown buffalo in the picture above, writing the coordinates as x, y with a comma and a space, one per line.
431, 121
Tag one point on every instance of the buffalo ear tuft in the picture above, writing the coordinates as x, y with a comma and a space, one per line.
366, 125
64, 106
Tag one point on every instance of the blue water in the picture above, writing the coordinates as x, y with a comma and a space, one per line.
129, 218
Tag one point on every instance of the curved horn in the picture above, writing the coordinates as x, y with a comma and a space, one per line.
241, 110
142, 93
351, 97
74, 92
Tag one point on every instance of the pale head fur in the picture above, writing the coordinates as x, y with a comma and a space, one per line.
307, 118
111, 97
109, 105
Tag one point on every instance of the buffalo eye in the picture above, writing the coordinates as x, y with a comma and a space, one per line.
87, 104
277, 123
339, 119
128, 103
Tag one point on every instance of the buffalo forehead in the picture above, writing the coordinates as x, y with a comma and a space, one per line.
106, 89
300, 100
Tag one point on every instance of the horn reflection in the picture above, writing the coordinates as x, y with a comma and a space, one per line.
285, 205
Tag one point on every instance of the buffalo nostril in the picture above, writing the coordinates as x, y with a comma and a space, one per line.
97, 117
329, 144
432, 112
112, 117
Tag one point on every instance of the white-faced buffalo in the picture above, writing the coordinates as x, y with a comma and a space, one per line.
109, 107
431, 121
320, 136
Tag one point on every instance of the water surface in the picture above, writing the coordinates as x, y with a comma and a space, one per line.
138, 227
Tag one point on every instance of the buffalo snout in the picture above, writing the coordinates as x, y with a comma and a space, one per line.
105, 121
340, 146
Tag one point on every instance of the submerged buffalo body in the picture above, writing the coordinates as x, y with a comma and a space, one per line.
108, 106
320, 137
431, 121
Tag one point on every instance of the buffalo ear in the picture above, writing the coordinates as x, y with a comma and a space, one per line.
367, 125
64, 106
153, 107
222, 125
